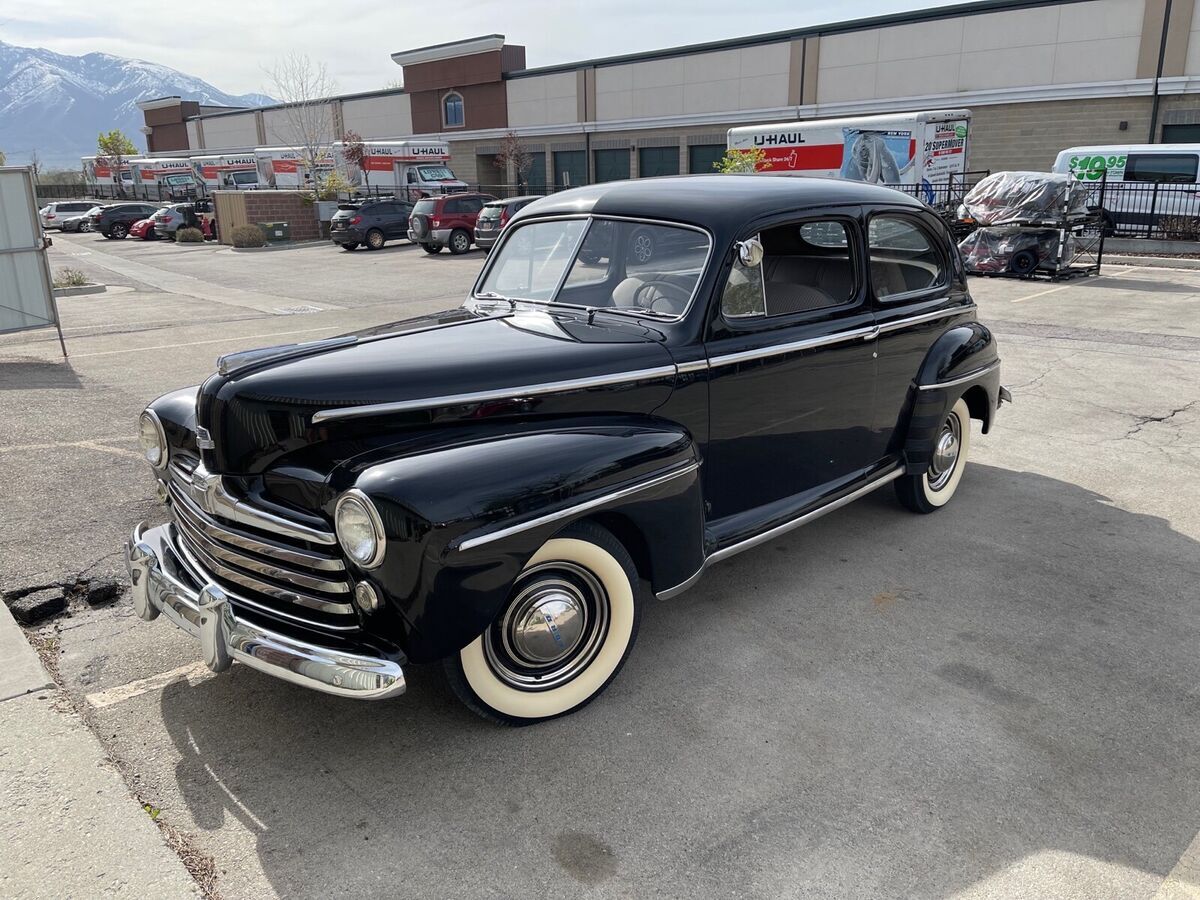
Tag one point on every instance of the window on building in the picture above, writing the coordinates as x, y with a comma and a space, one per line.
658, 161
1178, 167
452, 110
904, 259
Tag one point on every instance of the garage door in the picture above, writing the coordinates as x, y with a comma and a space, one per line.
25, 288
702, 158
1181, 134
658, 161
612, 165
570, 168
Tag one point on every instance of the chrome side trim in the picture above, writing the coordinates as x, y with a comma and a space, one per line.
683, 585
749, 543
208, 616
575, 510
466, 399
824, 340
926, 317
697, 365
961, 379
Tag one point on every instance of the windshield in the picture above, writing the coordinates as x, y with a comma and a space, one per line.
245, 177
624, 266
436, 173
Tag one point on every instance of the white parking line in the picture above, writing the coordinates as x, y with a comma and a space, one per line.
194, 673
1079, 283
224, 340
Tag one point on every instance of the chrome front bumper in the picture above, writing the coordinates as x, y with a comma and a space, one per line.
208, 616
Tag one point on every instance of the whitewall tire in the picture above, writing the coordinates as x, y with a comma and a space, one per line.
932, 489
562, 637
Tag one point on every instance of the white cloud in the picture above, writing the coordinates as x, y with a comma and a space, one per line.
230, 44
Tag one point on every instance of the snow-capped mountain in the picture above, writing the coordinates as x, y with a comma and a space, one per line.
57, 104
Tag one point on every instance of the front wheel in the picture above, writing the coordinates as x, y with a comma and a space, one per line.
374, 239
118, 232
563, 635
933, 488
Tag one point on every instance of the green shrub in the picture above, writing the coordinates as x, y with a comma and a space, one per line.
69, 278
248, 236
189, 236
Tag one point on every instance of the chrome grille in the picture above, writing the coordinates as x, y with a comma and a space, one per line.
257, 557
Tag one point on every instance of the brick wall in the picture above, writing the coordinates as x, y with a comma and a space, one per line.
283, 206
1030, 135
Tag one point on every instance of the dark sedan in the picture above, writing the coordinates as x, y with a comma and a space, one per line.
115, 220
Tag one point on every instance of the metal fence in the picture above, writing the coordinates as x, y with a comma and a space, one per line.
944, 197
1154, 210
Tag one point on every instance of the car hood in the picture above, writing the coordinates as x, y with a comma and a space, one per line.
343, 395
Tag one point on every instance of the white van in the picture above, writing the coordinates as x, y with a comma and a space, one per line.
1145, 183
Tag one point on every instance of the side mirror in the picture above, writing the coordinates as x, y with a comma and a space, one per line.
750, 253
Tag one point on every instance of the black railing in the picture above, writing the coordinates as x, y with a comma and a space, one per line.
946, 196
1154, 210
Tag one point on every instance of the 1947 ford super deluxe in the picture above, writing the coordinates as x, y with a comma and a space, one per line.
649, 377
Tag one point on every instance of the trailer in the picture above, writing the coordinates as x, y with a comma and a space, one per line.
226, 172
409, 169
284, 167
99, 176
921, 148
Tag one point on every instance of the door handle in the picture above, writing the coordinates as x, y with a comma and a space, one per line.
872, 334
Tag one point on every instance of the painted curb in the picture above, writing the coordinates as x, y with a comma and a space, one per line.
1157, 262
289, 245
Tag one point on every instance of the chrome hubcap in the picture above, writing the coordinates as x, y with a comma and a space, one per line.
945, 453
552, 629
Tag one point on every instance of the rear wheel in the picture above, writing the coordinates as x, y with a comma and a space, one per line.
932, 489
460, 241
374, 239
432, 248
1023, 262
563, 635
118, 232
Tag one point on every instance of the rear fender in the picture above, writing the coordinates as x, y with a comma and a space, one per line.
963, 362
463, 521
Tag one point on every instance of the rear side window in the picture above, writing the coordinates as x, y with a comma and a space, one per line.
904, 257
1160, 167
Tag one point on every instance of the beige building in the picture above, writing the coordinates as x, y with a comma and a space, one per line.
1038, 76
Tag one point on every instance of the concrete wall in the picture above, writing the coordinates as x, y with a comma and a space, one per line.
543, 100
221, 132
749, 78
281, 131
1068, 44
389, 115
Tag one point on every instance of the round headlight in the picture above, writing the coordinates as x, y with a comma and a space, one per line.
152, 439
359, 529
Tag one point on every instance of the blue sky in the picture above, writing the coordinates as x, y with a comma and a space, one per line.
230, 43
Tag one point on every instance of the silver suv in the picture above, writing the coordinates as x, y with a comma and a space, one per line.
53, 214
170, 219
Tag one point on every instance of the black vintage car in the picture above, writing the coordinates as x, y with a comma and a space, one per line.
502, 486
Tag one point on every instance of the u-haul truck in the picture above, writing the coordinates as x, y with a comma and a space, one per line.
98, 173
162, 178
226, 172
908, 148
411, 169
283, 167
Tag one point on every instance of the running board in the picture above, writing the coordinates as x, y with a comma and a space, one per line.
759, 539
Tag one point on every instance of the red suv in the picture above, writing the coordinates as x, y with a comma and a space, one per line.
446, 221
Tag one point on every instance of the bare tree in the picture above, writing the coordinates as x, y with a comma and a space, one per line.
35, 163
354, 152
304, 88
514, 152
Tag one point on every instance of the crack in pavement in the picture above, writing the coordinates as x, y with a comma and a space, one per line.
1143, 421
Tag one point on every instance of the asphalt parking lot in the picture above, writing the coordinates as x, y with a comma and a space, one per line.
998, 700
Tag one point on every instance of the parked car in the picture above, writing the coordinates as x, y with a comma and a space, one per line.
446, 221
370, 223
54, 214
503, 486
115, 220
494, 216
143, 229
169, 219
80, 222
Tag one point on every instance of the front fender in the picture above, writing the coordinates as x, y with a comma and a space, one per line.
463, 521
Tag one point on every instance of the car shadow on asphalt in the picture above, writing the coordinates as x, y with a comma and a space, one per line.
879, 704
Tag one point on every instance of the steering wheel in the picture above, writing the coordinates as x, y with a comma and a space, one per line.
651, 295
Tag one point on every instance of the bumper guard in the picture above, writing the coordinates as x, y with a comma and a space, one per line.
208, 615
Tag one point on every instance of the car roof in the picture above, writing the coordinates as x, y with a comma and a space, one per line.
508, 201
700, 199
